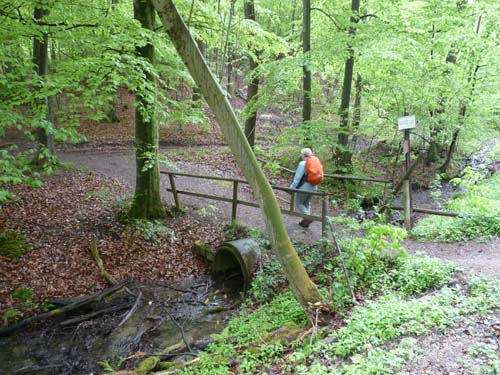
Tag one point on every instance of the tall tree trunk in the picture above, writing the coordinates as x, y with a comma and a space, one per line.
306, 67
111, 114
356, 113
225, 55
45, 138
305, 290
463, 109
147, 202
253, 86
344, 154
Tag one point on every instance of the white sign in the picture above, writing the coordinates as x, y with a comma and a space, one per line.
406, 122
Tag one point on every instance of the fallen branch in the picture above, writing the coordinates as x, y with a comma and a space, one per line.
62, 310
132, 310
95, 254
182, 331
94, 314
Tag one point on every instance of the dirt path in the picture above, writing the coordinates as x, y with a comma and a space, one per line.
480, 257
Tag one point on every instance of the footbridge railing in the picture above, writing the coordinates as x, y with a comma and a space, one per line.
235, 201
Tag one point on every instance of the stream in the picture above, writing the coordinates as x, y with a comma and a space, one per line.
177, 315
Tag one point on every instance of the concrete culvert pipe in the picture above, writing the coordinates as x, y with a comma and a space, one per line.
240, 256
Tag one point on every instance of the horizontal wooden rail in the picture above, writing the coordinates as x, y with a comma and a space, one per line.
235, 201
202, 176
244, 203
229, 179
429, 211
338, 176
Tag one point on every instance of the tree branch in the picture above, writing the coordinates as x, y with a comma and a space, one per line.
330, 17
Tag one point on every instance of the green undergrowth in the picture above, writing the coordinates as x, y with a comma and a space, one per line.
392, 317
479, 208
379, 337
394, 285
371, 254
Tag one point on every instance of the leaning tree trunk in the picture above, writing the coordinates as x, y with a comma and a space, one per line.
305, 290
344, 154
253, 87
147, 202
45, 138
306, 70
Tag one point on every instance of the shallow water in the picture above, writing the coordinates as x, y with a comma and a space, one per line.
169, 314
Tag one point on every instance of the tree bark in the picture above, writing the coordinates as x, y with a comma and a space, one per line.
344, 154
305, 290
44, 137
147, 202
306, 66
253, 86
356, 113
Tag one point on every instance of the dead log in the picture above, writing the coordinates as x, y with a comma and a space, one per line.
62, 310
94, 314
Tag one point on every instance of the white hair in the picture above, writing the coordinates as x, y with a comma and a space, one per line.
306, 152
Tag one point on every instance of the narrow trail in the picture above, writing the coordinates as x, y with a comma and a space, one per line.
479, 257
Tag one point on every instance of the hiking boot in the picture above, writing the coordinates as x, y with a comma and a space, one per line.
305, 223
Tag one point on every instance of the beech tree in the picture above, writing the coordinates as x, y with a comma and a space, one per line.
305, 290
147, 203
46, 151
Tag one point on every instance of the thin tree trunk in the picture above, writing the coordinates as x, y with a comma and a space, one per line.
305, 290
292, 18
463, 110
196, 98
306, 66
344, 154
253, 86
147, 202
226, 43
45, 138
356, 113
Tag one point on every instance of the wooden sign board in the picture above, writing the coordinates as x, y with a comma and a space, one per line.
406, 122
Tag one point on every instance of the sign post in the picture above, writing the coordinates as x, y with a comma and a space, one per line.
406, 123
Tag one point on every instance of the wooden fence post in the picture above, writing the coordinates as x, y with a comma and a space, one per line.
407, 203
324, 213
235, 200
174, 191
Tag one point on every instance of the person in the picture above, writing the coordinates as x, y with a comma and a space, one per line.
303, 201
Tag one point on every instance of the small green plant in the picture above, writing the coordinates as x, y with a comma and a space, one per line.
148, 230
13, 245
209, 210
102, 195
235, 230
111, 365
415, 275
22, 306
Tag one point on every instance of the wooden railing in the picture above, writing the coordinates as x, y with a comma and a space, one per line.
235, 201
408, 204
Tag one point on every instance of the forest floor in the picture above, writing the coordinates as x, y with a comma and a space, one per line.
79, 205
